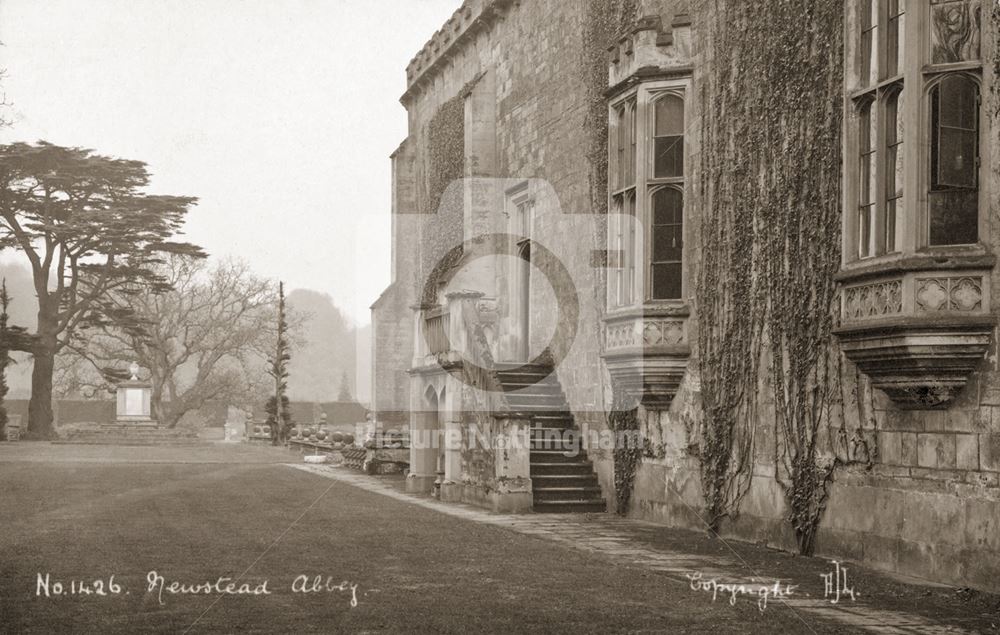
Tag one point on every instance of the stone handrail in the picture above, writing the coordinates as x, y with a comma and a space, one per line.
505, 475
468, 335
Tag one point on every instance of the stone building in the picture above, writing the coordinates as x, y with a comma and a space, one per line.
751, 244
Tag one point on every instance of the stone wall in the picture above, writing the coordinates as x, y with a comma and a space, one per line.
392, 313
914, 492
70, 411
530, 57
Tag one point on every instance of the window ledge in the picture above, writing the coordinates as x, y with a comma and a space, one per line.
665, 308
918, 326
929, 259
647, 350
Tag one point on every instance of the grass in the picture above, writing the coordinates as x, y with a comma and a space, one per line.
416, 570
194, 514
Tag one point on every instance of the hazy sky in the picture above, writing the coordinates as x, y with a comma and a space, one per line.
280, 115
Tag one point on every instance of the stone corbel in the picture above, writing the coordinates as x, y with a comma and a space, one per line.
646, 352
919, 329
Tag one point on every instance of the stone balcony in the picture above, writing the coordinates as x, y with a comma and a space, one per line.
918, 327
646, 352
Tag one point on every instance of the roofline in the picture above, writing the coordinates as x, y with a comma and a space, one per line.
473, 17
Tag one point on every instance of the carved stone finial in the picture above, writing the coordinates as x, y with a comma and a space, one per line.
133, 369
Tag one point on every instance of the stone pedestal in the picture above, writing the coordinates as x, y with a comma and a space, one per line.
420, 483
512, 494
132, 402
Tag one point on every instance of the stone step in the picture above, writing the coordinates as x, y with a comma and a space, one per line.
563, 445
550, 411
561, 433
526, 377
552, 420
535, 397
509, 365
580, 467
549, 481
134, 434
541, 388
570, 506
523, 381
128, 440
556, 427
563, 479
544, 494
556, 456
542, 409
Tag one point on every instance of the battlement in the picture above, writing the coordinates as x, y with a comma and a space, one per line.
650, 46
473, 17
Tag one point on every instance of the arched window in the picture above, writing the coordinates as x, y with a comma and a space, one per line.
878, 108
622, 250
868, 21
894, 40
954, 161
667, 243
668, 142
867, 133
894, 136
621, 230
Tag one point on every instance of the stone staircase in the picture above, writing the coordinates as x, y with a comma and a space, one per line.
125, 434
562, 477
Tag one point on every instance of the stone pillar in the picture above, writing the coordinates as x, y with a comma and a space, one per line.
512, 450
452, 487
423, 453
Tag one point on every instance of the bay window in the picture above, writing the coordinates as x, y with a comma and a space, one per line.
913, 132
915, 279
646, 201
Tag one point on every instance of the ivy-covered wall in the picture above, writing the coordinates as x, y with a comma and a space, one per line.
771, 143
774, 435
440, 204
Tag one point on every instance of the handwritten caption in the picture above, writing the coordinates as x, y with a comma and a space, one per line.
835, 584
763, 592
162, 588
835, 588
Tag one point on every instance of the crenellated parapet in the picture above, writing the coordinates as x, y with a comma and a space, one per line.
650, 48
472, 18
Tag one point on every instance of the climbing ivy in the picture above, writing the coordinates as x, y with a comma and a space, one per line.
624, 422
442, 228
772, 103
606, 21
995, 15
729, 295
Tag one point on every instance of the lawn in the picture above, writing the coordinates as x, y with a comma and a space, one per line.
416, 570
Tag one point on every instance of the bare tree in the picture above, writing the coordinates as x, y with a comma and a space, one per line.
205, 339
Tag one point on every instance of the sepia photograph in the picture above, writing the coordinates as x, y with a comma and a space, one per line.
500, 316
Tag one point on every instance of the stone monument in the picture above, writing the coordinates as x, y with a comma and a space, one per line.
133, 400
